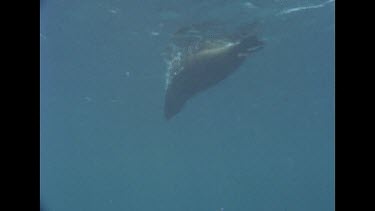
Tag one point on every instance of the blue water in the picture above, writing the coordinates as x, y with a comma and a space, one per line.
263, 139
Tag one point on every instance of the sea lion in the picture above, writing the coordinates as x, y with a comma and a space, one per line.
202, 62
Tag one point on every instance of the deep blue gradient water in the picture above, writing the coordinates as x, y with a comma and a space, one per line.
263, 139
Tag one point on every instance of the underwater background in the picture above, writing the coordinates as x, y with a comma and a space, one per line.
262, 139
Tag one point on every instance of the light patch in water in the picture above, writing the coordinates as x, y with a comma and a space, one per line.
154, 33
296, 9
249, 5
114, 11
